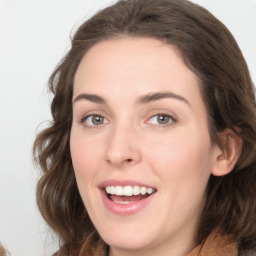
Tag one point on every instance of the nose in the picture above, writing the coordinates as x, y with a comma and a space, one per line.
122, 147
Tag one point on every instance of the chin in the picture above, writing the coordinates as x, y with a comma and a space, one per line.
127, 241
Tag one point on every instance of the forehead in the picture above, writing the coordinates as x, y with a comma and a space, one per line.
133, 64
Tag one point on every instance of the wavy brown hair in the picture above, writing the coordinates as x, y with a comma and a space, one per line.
211, 52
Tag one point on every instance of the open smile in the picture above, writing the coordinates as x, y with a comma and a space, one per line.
126, 199
128, 194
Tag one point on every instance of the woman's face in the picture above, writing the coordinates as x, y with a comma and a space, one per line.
140, 132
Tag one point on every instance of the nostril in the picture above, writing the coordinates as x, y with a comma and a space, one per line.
128, 161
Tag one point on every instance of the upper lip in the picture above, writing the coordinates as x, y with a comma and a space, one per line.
123, 183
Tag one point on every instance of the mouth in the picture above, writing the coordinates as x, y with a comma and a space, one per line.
125, 195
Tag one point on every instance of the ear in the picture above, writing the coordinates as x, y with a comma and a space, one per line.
226, 156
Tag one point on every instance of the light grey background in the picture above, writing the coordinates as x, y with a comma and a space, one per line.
34, 35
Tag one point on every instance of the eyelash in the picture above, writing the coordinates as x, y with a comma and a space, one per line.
85, 118
171, 120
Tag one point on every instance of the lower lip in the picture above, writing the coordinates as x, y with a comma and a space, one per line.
125, 209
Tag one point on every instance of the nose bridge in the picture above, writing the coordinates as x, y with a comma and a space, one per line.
122, 148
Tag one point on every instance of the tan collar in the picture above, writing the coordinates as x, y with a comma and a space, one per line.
217, 244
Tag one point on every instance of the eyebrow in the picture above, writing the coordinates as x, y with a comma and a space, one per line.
90, 97
161, 95
150, 97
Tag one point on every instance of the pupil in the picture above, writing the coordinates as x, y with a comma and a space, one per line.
163, 119
97, 120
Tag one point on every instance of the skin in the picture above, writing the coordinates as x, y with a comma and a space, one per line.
175, 157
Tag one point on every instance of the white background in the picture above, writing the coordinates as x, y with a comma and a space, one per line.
34, 35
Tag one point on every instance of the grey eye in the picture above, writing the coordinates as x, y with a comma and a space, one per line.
94, 120
161, 119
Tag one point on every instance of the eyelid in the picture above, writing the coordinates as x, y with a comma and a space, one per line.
93, 113
169, 114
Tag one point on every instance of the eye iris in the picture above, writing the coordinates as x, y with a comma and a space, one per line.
161, 119
96, 120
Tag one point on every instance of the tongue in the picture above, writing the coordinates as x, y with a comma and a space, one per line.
127, 198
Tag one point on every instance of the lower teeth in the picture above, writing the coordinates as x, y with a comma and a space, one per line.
126, 199
120, 202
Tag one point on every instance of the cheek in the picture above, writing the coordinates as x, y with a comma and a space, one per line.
184, 157
85, 157
86, 163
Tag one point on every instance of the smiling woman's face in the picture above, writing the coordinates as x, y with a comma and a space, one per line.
140, 126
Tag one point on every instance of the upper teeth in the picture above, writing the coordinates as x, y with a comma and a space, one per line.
128, 190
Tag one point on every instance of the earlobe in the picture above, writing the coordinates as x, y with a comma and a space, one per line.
226, 156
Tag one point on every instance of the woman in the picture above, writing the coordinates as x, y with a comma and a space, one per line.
153, 141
